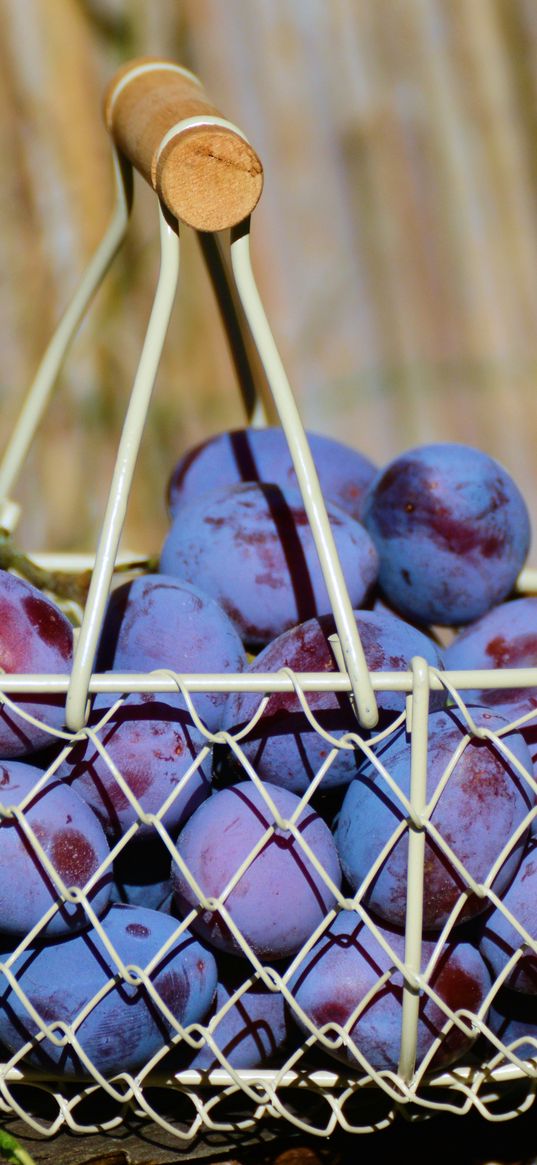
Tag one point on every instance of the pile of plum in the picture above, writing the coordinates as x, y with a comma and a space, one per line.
235, 864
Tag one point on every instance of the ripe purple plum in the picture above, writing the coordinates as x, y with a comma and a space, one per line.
153, 743
280, 897
452, 531
251, 1030
506, 637
500, 939
35, 637
124, 1028
72, 840
476, 812
513, 1019
251, 547
263, 455
283, 747
345, 969
157, 621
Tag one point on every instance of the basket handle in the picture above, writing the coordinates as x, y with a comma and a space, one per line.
201, 166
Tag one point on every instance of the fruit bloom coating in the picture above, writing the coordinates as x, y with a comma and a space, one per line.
152, 742
73, 841
263, 455
283, 746
452, 532
161, 622
506, 637
35, 637
479, 808
126, 1026
250, 546
280, 898
348, 962
500, 938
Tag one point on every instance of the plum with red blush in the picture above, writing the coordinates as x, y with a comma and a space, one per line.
72, 840
283, 746
348, 967
35, 637
452, 532
152, 742
480, 806
506, 637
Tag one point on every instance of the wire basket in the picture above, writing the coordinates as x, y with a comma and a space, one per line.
207, 176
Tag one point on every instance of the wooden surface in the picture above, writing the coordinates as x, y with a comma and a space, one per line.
442, 1140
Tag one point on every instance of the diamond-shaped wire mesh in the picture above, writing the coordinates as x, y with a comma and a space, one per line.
262, 1036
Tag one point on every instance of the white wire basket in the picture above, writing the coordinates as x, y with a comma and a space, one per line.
207, 177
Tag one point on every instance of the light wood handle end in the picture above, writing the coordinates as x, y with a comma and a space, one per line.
204, 171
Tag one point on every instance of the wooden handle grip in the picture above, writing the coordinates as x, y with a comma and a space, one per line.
206, 173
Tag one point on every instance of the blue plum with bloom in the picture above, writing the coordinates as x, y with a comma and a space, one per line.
249, 1025
501, 940
157, 621
126, 1026
251, 547
262, 454
280, 897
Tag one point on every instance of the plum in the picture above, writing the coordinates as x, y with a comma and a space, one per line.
72, 840
248, 1032
513, 1019
280, 898
506, 637
347, 964
500, 939
452, 531
35, 637
152, 742
157, 621
251, 547
263, 455
477, 811
283, 747
126, 1026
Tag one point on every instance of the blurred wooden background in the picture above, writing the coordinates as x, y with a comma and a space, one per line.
395, 244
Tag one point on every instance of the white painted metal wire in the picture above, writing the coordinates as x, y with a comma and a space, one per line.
305, 1086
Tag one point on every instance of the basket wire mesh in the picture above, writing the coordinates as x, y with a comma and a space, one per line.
307, 1087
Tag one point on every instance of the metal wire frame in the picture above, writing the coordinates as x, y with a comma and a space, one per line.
267, 1092
280, 1092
